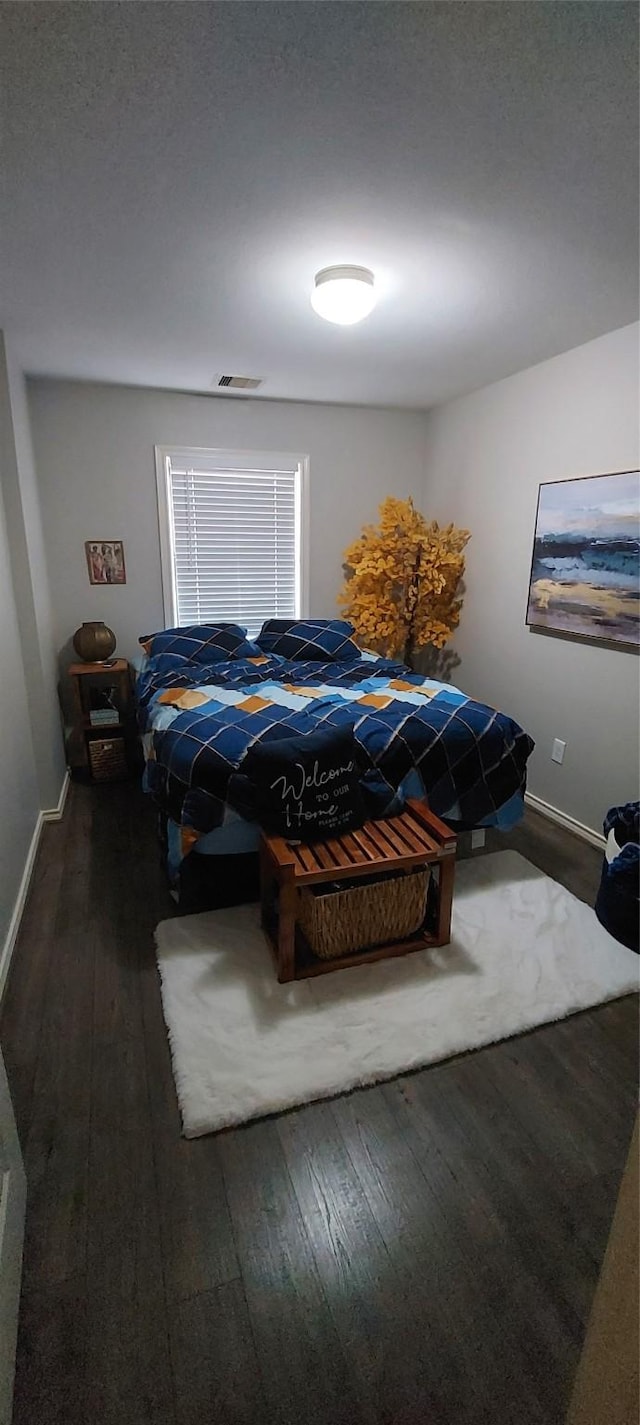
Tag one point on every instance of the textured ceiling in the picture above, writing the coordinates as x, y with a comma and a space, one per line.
174, 174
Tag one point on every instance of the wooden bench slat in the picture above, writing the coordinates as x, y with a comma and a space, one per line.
352, 850
366, 846
338, 852
427, 818
416, 837
362, 868
382, 846
305, 858
398, 847
321, 849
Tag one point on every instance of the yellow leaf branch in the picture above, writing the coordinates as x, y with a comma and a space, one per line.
402, 579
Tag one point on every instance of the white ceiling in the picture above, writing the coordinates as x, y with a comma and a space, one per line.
174, 175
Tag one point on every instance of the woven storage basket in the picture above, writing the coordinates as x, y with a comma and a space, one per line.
107, 758
361, 916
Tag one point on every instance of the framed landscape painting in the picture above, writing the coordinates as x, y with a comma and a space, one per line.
585, 569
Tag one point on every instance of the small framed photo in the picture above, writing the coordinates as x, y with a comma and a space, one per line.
105, 561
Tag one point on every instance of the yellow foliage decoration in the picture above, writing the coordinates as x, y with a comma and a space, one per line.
401, 581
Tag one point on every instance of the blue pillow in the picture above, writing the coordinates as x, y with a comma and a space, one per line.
315, 639
202, 642
307, 786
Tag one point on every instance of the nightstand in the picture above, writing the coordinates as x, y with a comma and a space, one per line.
103, 743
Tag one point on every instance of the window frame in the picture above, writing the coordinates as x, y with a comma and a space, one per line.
226, 458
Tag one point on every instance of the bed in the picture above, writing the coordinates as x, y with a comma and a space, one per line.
202, 704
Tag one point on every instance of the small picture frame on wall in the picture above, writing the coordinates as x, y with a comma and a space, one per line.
105, 561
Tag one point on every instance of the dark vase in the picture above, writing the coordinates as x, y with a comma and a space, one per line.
94, 642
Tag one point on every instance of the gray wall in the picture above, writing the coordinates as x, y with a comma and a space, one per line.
19, 800
94, 448
31, 585
485, 456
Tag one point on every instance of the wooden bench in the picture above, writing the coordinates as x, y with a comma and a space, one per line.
414, 838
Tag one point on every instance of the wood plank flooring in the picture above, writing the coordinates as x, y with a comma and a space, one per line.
418, 1253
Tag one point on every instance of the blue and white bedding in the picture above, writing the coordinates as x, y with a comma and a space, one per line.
414, 737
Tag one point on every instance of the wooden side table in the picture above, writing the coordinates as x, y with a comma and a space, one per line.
413, 839
104, 750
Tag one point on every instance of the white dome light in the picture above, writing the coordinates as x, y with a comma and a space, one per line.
343, 294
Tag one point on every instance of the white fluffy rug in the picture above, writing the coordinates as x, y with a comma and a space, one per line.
523, 952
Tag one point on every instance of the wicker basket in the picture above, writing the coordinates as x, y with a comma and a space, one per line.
365, 914
107, 758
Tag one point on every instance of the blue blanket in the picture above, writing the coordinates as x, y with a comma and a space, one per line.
414, 737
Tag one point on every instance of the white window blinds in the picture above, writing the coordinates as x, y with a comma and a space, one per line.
235, 534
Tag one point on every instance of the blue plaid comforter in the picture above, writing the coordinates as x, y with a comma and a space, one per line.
415, 737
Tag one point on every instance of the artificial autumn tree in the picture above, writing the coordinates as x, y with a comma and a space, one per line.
402, 581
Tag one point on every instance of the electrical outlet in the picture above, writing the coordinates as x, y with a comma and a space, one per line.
558, 750
478, 838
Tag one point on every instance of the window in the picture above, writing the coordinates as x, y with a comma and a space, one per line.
231, 535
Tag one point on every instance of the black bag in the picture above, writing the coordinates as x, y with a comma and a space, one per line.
306, 787
618, 900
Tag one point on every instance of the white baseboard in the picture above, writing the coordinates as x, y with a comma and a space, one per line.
562, 818
52, 814
23, 889
56, 813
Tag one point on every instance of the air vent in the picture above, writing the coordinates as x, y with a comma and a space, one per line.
238, 383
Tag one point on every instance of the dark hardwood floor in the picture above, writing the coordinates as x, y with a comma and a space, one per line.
417, 1253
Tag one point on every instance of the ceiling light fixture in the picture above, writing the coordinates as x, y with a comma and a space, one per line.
343, 294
